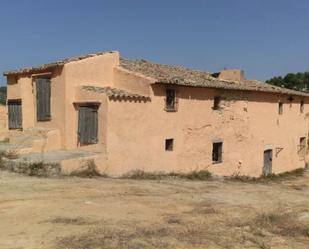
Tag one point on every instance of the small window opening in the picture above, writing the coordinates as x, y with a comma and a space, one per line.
291, 99
280, 108
217, 101
302, 147
169, 144
170, 100
302, 105
217, 152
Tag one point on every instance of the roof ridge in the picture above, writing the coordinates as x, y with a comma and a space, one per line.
165, 65
168, 74
55, 63
114, 92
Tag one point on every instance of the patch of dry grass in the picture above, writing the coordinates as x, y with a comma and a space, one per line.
272, 177
172, 234
143, 175
200, 175
279, 222
69, 221
204, 208
114, 238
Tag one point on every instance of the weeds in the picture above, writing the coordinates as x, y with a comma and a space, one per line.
195, 175
294, 173
69, 221
205, 207
271, 177
143, 175
36, 169
110, 237
279, 222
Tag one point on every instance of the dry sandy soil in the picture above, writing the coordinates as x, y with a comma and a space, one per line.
76, 213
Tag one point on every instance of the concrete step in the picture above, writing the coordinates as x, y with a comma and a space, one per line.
14, 150
40, 139
24, 139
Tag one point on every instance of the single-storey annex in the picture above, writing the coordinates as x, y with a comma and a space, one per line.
140, 115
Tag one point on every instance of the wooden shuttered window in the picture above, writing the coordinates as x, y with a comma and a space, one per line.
43, 94
15, 114
88, 125
171, 100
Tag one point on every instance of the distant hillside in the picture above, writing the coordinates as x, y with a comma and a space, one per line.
3, 95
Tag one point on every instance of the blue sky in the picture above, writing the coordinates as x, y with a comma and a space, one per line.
263, 37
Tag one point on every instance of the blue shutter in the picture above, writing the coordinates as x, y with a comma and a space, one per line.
88, 125
43, 94
15, 114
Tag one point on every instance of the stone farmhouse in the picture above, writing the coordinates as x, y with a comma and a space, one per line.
128, 115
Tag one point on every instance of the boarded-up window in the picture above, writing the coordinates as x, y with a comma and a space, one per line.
217, 152
302, 105
15, 114
268, 162
217, 102
280, 108
171, 102
88, 124
43, 94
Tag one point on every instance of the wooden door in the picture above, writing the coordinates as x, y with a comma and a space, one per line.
268, 158
15, 114
88, 125
43, 94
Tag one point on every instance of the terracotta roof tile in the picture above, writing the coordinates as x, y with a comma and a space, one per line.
114, 92
167, 74
51, 65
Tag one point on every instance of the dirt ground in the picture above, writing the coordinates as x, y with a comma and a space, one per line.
77, 213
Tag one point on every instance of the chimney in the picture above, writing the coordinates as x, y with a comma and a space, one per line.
232, 75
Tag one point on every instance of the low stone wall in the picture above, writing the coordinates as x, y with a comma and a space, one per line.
32, 169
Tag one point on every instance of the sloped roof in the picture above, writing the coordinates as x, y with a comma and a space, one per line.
167, 74
114, 92
43, 67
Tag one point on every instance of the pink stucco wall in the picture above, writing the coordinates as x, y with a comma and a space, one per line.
248, 124
132, 133
94, 71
